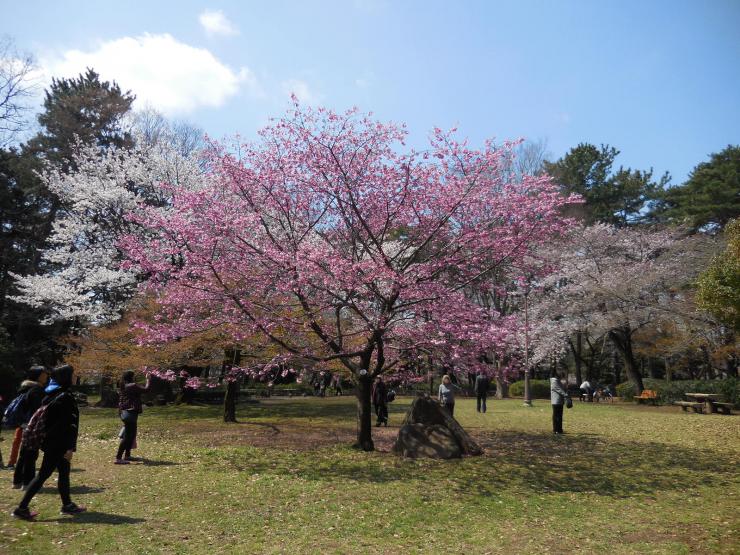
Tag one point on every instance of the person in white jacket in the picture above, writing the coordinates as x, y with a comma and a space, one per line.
558, 395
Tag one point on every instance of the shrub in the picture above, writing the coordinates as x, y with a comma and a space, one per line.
669, 391
540, 389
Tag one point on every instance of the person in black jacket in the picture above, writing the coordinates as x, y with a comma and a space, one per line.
129, 409
33, 388
380, 400
482, 384
59, 443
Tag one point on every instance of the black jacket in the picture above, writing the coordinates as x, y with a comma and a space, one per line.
482, 384
62, 422
380, 393
34, 395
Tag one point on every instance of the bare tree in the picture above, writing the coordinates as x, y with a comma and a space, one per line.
530, 157
155, 129
16, 86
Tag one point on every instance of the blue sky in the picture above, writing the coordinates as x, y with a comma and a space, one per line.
659, 80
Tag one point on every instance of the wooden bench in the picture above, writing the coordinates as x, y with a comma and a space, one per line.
724, 408
647, 395
686, 405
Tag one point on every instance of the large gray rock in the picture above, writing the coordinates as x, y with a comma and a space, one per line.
429, 431
421, 440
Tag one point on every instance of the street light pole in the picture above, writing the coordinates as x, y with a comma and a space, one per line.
527, 389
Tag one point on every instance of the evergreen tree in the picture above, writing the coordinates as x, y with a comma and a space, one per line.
83, 110
617, 198
711, 196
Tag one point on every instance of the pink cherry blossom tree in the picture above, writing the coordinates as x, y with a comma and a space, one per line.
330, 242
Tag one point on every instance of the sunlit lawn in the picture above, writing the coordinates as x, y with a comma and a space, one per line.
622, 480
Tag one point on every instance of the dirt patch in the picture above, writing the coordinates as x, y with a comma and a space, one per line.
291, 436
694, 536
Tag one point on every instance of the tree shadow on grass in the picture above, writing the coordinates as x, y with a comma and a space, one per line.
95, 517
533, 462
74, 490
306, 408
152, 462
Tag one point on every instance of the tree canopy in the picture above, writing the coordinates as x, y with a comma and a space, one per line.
711, 196
613, 197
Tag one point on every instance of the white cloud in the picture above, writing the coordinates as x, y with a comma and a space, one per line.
215, 23
301, 89
169, 75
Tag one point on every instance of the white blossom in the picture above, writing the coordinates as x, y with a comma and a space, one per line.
85, 279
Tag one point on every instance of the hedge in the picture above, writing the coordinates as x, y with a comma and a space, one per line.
540, 389
669, 391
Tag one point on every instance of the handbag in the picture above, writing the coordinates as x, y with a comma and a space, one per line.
568, 403
129, 416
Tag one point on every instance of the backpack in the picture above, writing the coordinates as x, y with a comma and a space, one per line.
35, 432
16, 413
390, 396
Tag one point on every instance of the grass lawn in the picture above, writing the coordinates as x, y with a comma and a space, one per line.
623, 479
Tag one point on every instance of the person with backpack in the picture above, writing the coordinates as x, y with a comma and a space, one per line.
31, 394
482, 383
129, 409
53, 428
380, 401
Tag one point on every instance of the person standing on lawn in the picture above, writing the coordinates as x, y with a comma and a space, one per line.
445, 394
129, 409
482, 383
25, 459
61, 419
558, 395
380, 400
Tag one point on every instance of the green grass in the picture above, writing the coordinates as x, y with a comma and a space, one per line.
623, 479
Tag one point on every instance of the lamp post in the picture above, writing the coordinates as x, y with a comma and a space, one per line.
527, 389
527, 385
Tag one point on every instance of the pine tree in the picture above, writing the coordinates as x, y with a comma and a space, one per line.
616, 198
711, 196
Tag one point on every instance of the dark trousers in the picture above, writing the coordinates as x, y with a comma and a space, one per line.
381, 411
450, 408
557, 419
129, 435
480, 402
53, 460
25, 467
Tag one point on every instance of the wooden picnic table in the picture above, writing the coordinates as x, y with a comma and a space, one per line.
711, 401
703, 396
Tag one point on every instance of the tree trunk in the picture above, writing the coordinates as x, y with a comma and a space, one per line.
364, 414
731, 367
108, 394
431, 375
231, 359
502, 388
668, 370
232, 394
623, 343
652, 369
577, 355
615, 368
